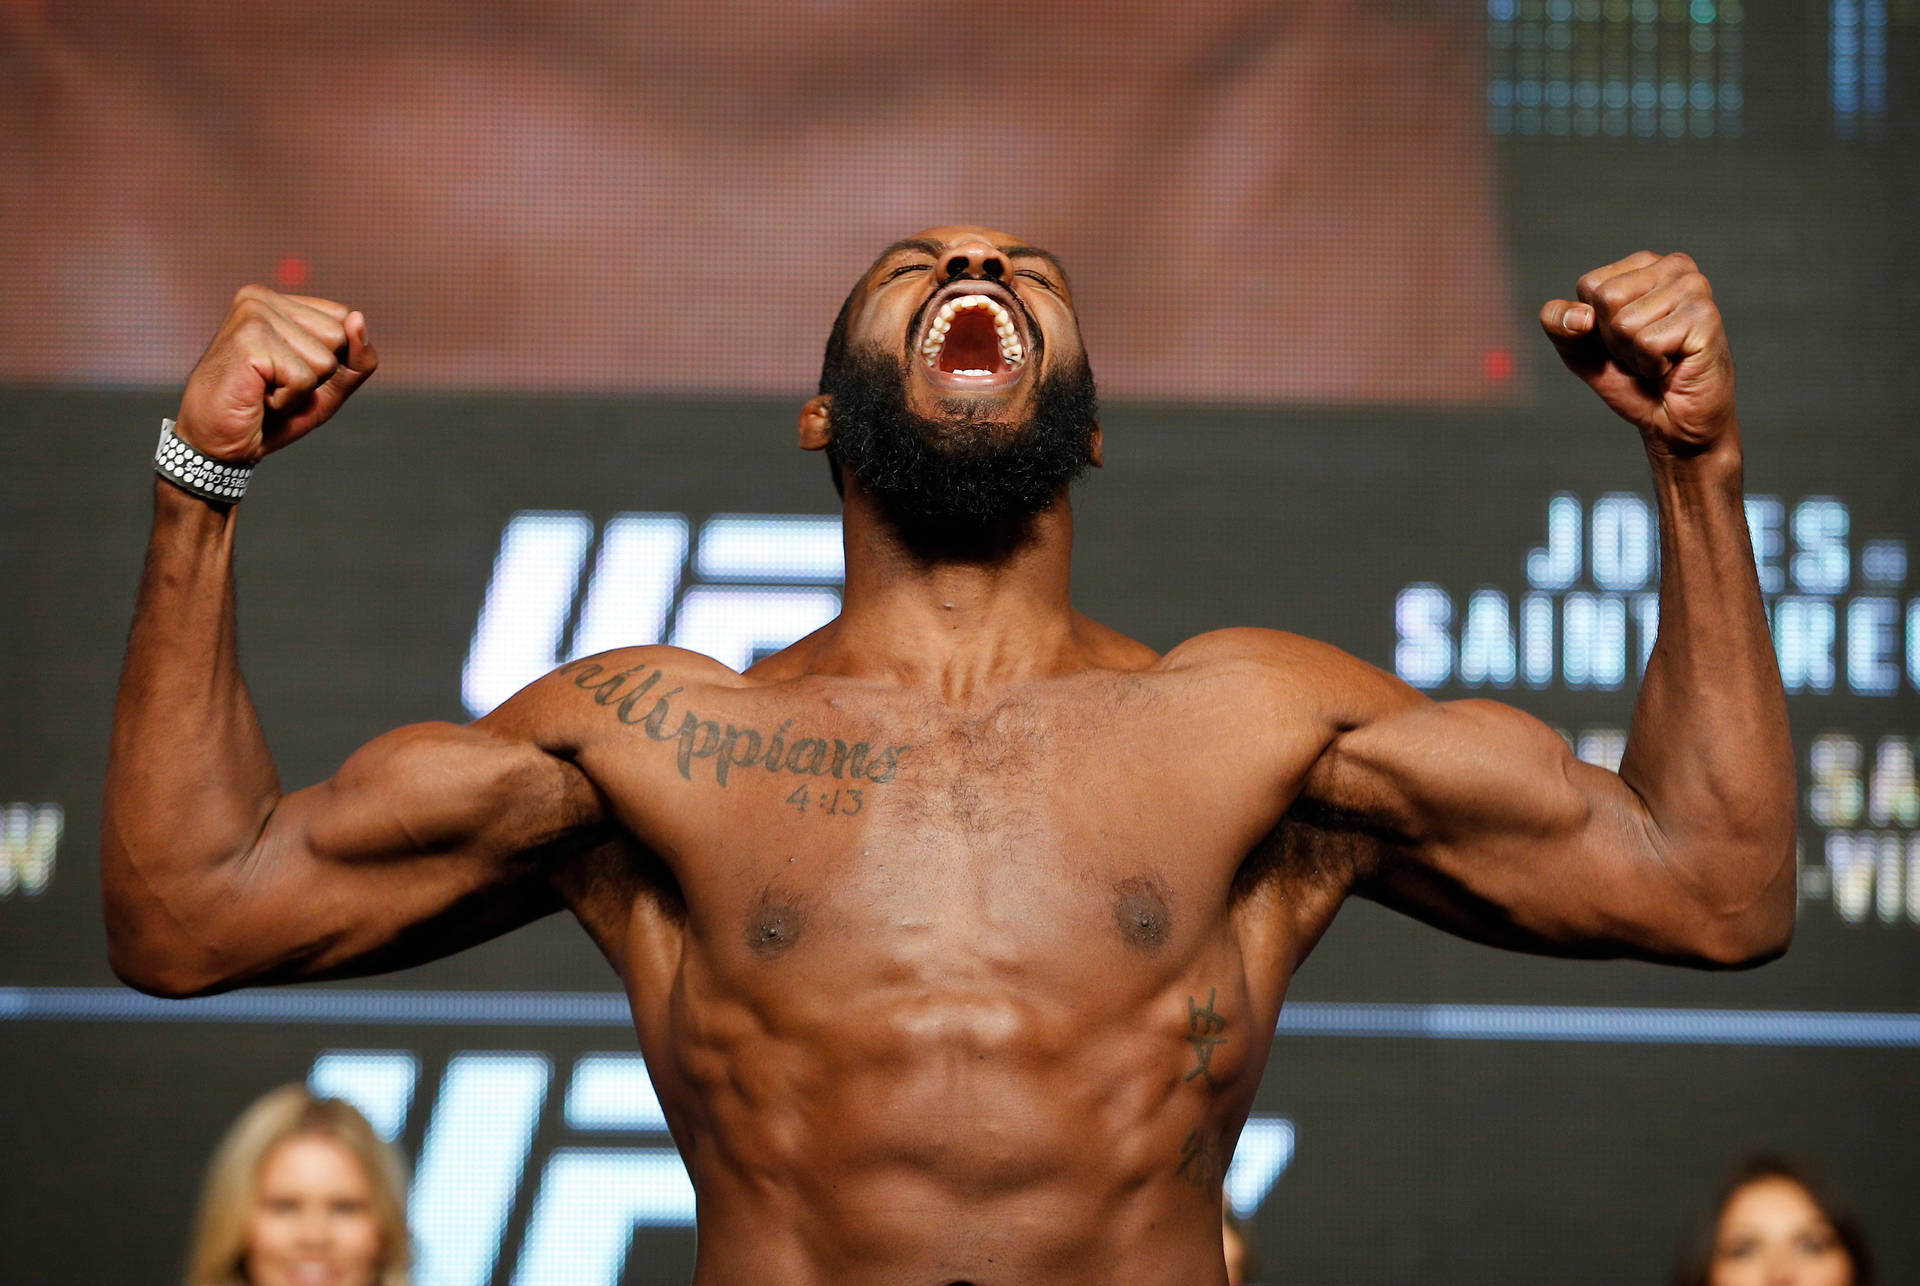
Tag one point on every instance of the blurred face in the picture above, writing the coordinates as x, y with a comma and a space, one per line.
313, 1218
1772, 1234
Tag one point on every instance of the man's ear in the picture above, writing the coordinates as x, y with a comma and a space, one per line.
816, 427
1095, 456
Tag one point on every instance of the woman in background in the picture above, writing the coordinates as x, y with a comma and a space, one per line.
1774, 1224
301, 1192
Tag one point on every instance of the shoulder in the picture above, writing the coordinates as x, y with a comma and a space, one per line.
593, 673
557, 709
1294, 669
1249, 645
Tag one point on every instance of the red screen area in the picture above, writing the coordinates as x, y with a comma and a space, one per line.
1256, 202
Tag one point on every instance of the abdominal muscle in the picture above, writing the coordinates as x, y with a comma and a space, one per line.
986, 1134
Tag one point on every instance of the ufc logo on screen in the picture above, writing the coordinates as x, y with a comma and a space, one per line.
29, 841
563, 588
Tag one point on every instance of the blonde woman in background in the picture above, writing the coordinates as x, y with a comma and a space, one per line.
301, 1192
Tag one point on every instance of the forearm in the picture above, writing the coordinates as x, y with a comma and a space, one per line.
190, 782
1710, 755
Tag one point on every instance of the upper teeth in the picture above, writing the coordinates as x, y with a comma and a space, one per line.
936, 337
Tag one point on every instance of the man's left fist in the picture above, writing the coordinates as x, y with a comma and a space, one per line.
1645, 335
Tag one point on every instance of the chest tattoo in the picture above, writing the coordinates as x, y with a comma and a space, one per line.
726, 747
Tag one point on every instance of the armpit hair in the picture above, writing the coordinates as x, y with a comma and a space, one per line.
618, 871
1314, 844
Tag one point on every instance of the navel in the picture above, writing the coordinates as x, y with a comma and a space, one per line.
773, 929
1140, 910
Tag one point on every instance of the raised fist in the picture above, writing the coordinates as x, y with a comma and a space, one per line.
278, 368
1645, 335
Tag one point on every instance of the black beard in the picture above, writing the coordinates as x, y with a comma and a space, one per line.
962, 488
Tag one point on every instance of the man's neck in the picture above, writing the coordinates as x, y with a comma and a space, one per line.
956, 627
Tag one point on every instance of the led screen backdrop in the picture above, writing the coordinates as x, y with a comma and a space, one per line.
600, 269
661, 197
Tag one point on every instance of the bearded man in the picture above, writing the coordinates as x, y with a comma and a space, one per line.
929, 990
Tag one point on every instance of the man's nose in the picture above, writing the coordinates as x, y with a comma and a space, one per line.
973, 259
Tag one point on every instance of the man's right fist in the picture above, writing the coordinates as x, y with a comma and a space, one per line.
279, 367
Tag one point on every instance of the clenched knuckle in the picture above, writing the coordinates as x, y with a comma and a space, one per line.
252, 315
252, 327
1615, 293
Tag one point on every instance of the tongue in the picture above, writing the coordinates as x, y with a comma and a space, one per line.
973, 344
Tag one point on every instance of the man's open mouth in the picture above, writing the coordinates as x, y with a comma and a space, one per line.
972, 339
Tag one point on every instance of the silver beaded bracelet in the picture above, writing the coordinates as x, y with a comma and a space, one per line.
197, 474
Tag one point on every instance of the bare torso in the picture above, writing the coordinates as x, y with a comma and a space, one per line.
955, 933
946, 992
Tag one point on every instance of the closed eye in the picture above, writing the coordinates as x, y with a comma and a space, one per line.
1040, 277
906, 268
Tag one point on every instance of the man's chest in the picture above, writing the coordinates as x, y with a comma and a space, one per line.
1092, 812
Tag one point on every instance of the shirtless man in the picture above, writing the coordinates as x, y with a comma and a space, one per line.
929, 994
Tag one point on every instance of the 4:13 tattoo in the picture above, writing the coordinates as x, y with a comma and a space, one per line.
841, 802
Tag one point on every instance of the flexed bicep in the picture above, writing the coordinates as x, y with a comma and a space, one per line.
428, 840
1497, 831
1487, 825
